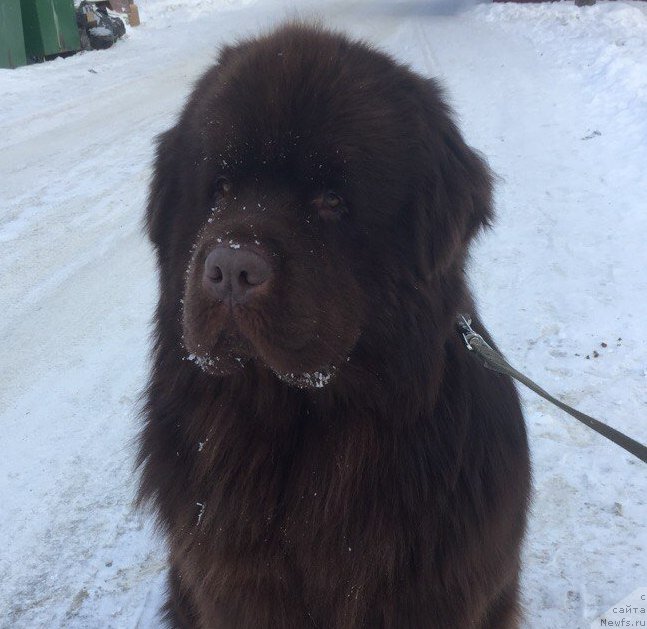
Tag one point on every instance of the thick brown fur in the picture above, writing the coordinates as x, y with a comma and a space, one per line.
327, 455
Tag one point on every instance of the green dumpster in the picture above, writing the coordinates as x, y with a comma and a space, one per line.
12, 42
50, 28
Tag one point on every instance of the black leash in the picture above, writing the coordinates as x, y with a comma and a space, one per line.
494, 361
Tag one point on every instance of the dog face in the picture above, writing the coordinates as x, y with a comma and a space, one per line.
308, 179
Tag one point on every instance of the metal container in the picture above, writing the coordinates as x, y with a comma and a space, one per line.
12, 42
49, 27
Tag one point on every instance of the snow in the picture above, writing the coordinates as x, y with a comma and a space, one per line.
316, 379
101, 31
555, 96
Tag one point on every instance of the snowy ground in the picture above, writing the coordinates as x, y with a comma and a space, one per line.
555, 96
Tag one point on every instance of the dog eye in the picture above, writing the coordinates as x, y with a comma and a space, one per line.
331, 199
222, 185
330, 205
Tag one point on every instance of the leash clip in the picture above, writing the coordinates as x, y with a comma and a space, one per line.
464, 323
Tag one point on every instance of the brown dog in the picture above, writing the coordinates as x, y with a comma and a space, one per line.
319, 447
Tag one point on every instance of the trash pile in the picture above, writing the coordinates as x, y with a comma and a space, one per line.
32, 31
99, 26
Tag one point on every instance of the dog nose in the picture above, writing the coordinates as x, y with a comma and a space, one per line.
237, 272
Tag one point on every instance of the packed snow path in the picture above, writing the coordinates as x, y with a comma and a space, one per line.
554, 96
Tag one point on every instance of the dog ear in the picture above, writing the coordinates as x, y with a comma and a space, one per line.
454, 191
164, 191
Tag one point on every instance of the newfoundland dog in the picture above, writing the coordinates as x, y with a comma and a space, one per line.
320, 448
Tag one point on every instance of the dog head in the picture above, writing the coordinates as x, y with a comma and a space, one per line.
311, 185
